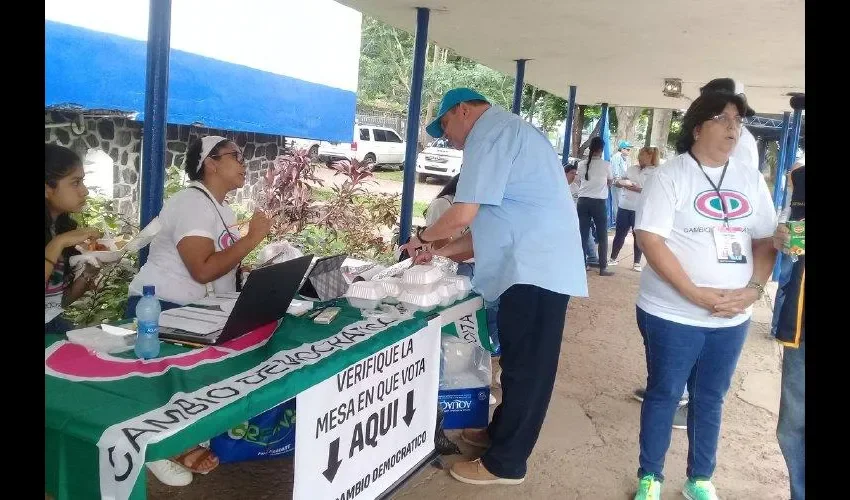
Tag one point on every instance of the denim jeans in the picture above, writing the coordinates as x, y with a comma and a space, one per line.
590, 246
791, 430
491, 308
785, 266
676, 355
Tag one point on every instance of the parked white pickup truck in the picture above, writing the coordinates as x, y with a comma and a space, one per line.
380, 145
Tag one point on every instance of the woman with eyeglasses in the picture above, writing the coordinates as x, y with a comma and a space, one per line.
198, 250
695, 298
595, 177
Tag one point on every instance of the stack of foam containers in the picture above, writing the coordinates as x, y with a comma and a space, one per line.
420, 288
365, 295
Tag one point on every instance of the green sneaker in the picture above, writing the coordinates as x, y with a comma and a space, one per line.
699, 490
649, 488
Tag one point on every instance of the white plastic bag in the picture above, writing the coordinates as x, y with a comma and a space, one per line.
277, 252
463, 365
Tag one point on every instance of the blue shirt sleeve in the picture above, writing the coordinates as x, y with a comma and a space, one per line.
487, 166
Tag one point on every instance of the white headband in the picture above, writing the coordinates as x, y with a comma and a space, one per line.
207, 145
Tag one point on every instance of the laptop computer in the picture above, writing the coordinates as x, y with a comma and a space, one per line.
325, 280
265, 298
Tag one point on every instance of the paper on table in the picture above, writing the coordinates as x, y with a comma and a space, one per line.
98, 340
223, 303
194, 319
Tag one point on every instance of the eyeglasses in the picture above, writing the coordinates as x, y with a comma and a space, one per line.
728, 121
237, 155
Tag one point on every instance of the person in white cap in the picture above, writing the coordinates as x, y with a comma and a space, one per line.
198, 250
747, 150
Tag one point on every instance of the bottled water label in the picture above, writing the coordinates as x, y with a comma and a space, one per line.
148, 329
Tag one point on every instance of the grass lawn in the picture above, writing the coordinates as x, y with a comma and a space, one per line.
390, 175
325, 194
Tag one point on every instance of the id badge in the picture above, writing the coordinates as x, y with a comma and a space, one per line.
730, 243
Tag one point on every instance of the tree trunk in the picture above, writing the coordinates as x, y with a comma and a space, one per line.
627, 120
532, 105
661, 120
578, 126
597, 129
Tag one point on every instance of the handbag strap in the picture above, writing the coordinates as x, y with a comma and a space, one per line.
232, 238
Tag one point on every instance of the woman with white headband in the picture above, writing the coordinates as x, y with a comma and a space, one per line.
198, 250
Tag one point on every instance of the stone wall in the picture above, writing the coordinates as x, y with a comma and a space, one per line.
121, 139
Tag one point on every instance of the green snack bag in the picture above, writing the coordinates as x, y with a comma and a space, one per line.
797, 242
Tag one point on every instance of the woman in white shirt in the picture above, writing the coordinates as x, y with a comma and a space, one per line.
198, 250
632, 184
595, 178
695, 298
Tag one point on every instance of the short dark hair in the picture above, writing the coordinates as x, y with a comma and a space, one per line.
194, 171
703, 108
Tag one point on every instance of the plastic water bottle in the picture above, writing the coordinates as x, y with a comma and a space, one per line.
147, 319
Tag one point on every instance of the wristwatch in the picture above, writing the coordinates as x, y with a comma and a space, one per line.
758, 286
419, 231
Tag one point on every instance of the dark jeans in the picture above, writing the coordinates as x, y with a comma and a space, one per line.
785, 267
625, 222
531, 324
791, 430
705, 358
130, 312
593, 209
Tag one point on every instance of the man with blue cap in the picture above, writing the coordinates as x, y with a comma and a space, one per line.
620, 164
524, 236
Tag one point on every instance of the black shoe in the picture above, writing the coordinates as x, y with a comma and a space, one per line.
605, 272
680, 419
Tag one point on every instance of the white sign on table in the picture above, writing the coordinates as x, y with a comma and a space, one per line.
364, 428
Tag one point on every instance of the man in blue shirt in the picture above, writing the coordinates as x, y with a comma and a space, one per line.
524, 236
620, 163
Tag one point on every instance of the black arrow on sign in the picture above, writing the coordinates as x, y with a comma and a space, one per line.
333, 461
408, 417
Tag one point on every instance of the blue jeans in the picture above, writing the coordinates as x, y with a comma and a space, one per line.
590, 245
705, 359
785, 266
491, 308
791, 430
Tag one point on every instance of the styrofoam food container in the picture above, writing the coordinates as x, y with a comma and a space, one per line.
420, 301
462, 284
448, 293
392, 287
365, 294
423, 278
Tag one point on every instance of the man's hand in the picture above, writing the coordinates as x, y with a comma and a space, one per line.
781, 238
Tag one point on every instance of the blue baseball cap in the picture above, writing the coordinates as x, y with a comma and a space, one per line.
452, 98
624, 144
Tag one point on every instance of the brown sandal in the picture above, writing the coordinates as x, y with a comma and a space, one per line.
199, 460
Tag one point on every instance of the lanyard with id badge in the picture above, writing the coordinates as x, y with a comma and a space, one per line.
729, 241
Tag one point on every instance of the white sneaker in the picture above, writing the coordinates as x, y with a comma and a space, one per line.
170, 473
613, 262
493, 400
637, 268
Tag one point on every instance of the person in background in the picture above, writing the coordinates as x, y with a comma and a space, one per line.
790, 320
746, 152
694, 305
196, 253
592, 258
632, 184
437, 207
64, 193
594, 177
513, 194
620, 163
785, 264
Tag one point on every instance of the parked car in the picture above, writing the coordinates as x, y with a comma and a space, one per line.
380, 145
438, 159
310, 145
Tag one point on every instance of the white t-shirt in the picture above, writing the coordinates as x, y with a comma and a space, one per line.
638, 176
679, 204
436, 210
597, 184
574, 189
747, 151
187, 213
